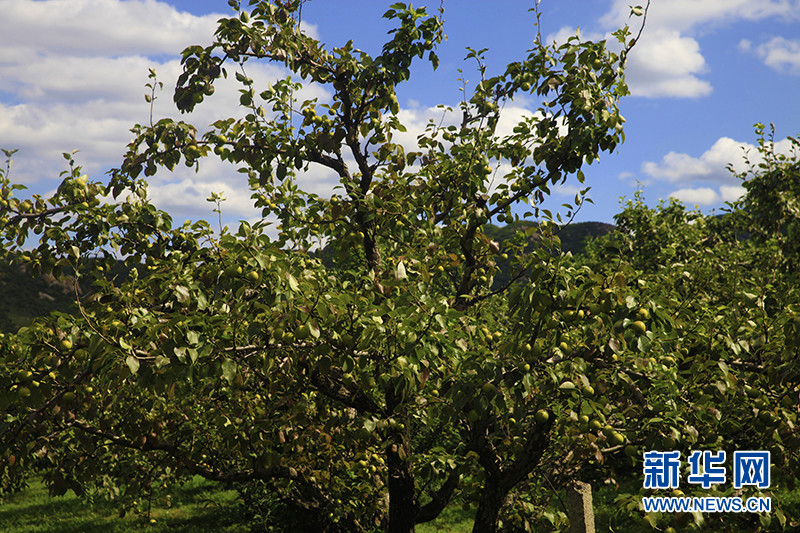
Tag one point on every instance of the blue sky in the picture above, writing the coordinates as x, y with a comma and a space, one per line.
72, 76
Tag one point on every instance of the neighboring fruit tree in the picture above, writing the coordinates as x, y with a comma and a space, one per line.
362, 370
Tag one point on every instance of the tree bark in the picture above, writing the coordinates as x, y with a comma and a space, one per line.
403, 506
500, 481
403, 503
492, 498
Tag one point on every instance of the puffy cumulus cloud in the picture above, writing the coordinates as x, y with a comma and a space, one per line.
711, 165
566, 32
565, 189
62, 115
707, 178
190, 196
699, 196
42, 133
780, 54
84, 103
729, 193
106, 27
85, 27
417, 119
665, 63
705, 196
73, 75
685, 15
184, 191
74, 79
668, 60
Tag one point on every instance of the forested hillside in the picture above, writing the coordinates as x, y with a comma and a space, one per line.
24, 295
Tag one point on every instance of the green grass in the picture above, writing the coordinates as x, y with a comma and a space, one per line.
452, 520
198, 506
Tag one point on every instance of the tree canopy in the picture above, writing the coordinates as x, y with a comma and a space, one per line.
351, 360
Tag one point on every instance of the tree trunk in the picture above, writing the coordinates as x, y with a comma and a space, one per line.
403, 504
500, 481
402, 495
492, 498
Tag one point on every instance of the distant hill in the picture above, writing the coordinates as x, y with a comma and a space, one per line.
573, 236
24, 296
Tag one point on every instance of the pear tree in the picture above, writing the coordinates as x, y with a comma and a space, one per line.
352, 355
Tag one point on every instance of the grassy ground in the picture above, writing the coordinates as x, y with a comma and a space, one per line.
201, 506
196, 507
452, 520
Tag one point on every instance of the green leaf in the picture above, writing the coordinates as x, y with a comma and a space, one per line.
229, 368
192, 337
781, 518
133, 363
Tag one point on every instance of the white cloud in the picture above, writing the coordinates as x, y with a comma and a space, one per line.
566, 32
565, 189
73, 75
77, 79
88, 27
699, 196
707, 195
668, 60
665, 63
707, 179
731, 193
106, 27
684, 15
782, 55
711, 165
416, 120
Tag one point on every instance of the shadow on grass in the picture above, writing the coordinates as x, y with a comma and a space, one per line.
197, 507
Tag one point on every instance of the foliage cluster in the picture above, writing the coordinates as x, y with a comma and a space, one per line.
371, 391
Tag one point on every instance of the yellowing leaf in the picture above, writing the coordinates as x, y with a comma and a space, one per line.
400, 271
133, 363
